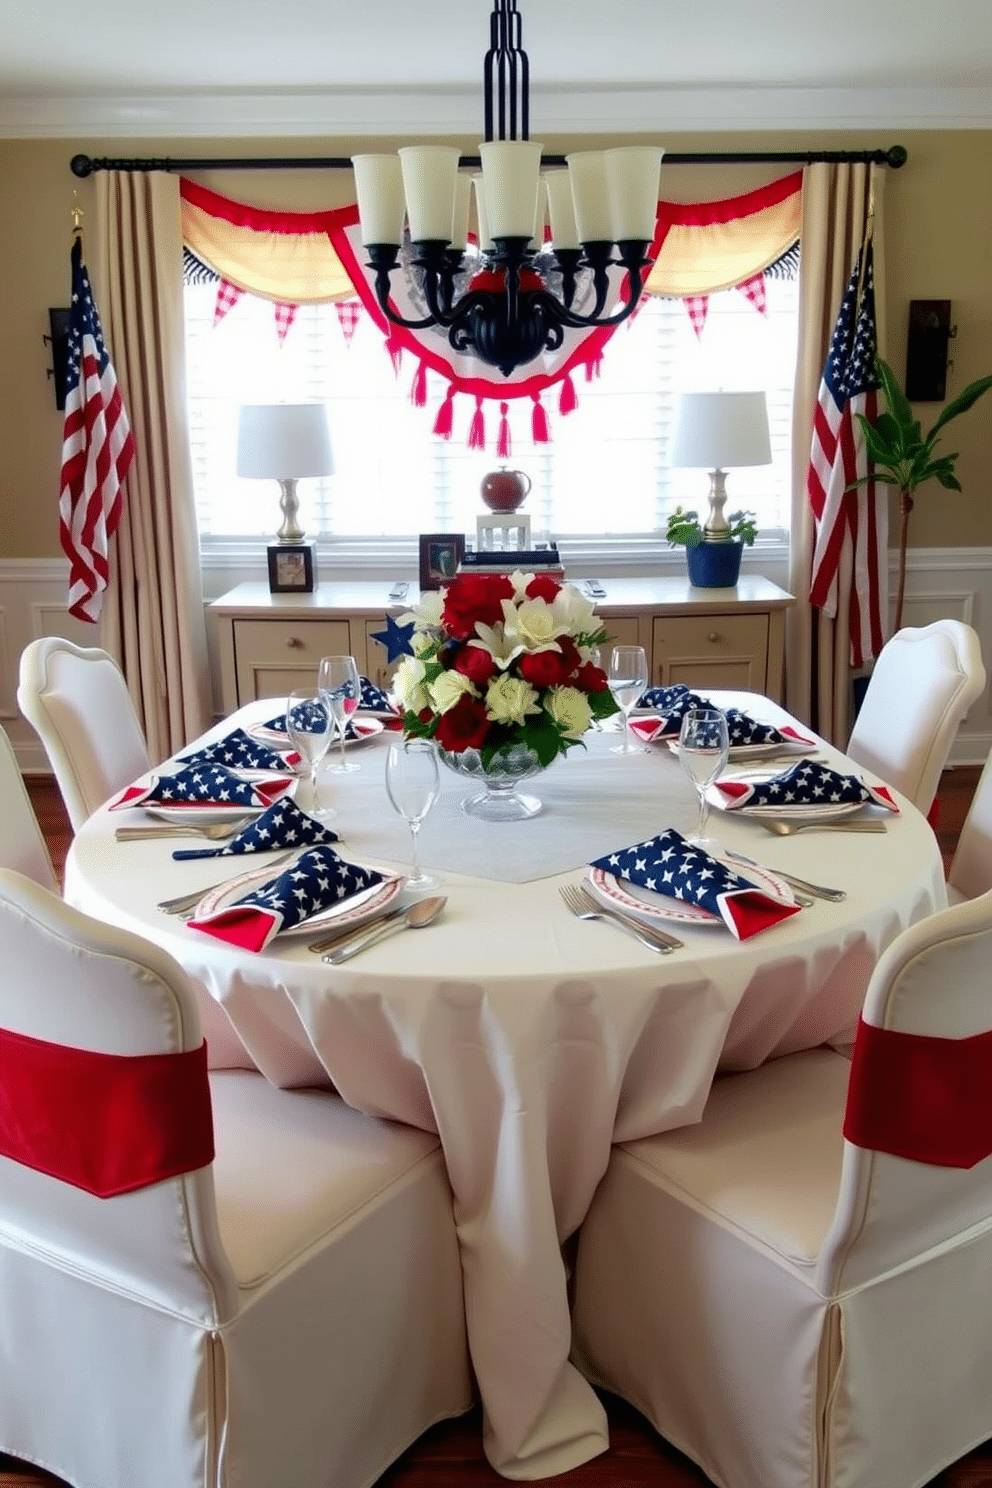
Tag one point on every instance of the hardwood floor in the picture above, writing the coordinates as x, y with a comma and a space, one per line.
450, 1455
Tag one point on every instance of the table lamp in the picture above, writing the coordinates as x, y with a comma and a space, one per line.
283, 442
717, 431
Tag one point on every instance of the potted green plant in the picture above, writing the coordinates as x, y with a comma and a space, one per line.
904, 457
712, 565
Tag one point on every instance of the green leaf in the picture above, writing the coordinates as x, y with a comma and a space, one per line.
962, 402
894, 395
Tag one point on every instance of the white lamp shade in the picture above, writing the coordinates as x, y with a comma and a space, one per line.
633, 178
564, 233
463, 201
283, 441
485, 237
381, 204
510, 177
717, 431
587, 171
429, 173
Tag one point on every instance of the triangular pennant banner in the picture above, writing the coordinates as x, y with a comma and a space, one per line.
285, 315
697, 306
754, 290
348, 312
228, 295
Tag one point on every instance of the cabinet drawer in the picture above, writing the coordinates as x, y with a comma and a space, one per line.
274, 656
712, 651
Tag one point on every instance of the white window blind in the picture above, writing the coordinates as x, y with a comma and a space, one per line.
605, 471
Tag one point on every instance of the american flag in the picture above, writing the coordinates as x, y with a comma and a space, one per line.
97, 450
204, 785
239, 751
805, 784
855, 519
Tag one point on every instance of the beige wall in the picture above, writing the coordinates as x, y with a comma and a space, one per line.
939, 246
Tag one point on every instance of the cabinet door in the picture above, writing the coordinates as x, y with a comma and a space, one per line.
274, 656
711, 651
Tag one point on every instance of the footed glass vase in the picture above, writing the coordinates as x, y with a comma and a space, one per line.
499, 800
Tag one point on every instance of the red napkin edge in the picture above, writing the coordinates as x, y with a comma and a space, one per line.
249, 928
749, 911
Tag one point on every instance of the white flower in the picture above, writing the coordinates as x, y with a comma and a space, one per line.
408, 685
427, 614
493, 638
510, 699
576, 610
446, 690
570, 710
533, 624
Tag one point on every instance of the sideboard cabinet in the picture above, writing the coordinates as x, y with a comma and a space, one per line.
270, 643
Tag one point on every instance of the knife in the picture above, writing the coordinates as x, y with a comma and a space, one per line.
341, 937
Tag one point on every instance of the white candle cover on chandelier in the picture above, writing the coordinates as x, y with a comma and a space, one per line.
463, 200
633, 179
563, 230
587, 170
381, 203
510, 176
429, 173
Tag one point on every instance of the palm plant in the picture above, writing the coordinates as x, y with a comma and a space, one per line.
905, 458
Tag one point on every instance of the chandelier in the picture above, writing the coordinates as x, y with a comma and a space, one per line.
519, 298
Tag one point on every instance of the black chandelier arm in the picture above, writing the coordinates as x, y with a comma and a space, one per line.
383, 258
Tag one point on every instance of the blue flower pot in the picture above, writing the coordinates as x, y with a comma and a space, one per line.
714, 565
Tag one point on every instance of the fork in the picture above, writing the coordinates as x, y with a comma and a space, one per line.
216, 832
789, 829
584, 908
183, 902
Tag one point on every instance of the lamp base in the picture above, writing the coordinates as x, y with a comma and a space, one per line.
292, 568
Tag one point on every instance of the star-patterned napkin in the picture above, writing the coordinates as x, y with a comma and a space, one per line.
317, 880
282, 825
670, 866
204, 785
372, 699
241, 752
672, 703
278, 725
802, 785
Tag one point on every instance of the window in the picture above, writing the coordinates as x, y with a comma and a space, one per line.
604, 473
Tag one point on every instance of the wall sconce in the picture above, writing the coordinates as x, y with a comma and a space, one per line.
58, 340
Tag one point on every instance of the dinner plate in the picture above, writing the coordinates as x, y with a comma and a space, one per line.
745, 752
646, 904
829, 811
349, 912
365, 725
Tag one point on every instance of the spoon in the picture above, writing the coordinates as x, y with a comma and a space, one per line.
419, 915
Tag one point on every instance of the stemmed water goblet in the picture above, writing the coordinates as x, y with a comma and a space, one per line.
628, 677
703, 751
309, 726
413, 784
338, 681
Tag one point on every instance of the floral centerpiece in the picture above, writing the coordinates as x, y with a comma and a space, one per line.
501, 661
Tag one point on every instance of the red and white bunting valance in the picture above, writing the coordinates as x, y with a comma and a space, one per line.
294, 258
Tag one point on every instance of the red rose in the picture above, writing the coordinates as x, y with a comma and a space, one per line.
543, 668
591, 678
464, 726
471, 598
475, 664
543, 586
569, 655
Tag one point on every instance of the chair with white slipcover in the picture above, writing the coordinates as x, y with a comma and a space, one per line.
795, 1291
922, 685
22, 846
77, 701
971, 867
286, 1309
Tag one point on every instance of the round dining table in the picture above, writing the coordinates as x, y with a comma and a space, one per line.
527, 1039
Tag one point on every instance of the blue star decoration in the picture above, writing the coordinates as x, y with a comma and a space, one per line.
395, 638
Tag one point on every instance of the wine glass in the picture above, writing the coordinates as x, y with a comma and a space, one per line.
628, 677
338, 681
703, 750
413, 784
309, 726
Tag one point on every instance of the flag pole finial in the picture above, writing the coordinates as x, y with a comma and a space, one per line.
77, 216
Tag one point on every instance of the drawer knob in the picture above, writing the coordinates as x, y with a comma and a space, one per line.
294, 643
713, 635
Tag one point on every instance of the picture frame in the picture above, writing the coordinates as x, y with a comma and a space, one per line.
440, 555
292, 569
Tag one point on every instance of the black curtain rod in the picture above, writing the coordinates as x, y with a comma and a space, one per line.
895, 156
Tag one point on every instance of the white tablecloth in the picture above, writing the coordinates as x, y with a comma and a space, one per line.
527, 1039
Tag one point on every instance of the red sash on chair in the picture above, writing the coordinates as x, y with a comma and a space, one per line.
920, 1097
107, 1123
